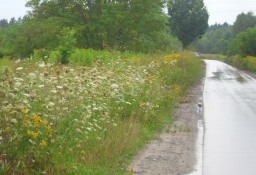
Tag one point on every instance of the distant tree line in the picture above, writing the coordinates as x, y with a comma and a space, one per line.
236, 39
133, 25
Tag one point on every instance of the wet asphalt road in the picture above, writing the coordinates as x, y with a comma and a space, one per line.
230, 121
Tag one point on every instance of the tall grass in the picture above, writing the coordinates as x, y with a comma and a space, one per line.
77, 119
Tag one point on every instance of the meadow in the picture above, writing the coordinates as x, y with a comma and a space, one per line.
87, 117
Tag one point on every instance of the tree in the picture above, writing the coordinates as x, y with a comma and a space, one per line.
135, 25
3, 23
188, 19
243, 22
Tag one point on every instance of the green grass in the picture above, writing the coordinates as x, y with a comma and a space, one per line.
89, 117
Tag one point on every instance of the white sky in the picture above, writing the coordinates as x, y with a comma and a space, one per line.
226, 10
220, 10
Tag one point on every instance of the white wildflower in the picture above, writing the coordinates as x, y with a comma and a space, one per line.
49, 64
26, 95
51, 104
31, 141
17, 61
18, 79
128, 103
19, 68
79, 131
54, 91
42, 65
40, 86
59, 87
32, 75
26, 101
114, 86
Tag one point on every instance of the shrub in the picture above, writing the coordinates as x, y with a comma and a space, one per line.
250, 63
244, 43
40, 55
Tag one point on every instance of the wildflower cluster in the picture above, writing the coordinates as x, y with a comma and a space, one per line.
171, 59
51, 113
84, 102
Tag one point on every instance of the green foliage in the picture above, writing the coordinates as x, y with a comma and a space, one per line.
89, 56
215, 40
139, 26
40, 55
247, 63
244, 44
67, 44
188, 19
54, 57
250, 63
243, 22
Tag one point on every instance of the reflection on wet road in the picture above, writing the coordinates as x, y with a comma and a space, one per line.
230, 121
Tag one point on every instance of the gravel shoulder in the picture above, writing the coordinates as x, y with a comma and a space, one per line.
174, 152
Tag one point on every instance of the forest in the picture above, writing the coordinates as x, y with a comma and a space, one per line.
230, 40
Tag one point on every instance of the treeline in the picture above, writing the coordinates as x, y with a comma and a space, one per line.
237, 39
122, 25
139, 26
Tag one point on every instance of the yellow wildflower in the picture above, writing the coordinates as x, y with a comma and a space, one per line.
36, 119
171, 57
24, 111
49, 129
26, 122
43, 144
44, 122
33, 134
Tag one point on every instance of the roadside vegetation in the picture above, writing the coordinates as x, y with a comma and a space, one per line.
73, 119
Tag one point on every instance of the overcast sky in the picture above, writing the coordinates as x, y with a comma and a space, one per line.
220, 10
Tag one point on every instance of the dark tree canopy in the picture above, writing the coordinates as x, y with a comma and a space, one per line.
188, 19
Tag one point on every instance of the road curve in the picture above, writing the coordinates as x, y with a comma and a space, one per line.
229, 146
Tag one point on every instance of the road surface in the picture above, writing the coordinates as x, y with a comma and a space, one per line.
229, 146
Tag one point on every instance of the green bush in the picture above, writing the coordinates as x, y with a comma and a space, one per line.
244, 43
40, 54
67, 44
250, 63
